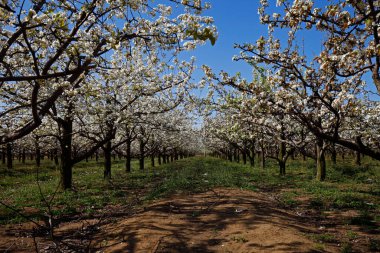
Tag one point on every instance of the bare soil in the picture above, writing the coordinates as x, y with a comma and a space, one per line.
220, 220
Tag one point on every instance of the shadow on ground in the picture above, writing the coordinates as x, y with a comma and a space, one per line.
223, 220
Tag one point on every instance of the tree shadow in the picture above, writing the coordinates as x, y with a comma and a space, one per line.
207, 222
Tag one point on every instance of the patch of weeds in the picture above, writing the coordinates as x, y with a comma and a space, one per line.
350, 170
351, 235
250, 187
9, 217
156, 193
364, 219
323, 238
215, 231
239, 239
195, 214
374, 245
288, 199
319, 247
119, 194
346, 248
66, 210
349, 201
316, 203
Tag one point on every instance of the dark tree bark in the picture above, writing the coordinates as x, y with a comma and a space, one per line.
38, 152
23, 158
244, 155
19, 155
164, 156
9, 156
321, 161
253, 153
142, 154
333, 154
282, 155
4, 154
262, 160
107, 160
152, 160
159, 158
236, 155
128, 157
55, 154
229, 154
66, 158
358, 161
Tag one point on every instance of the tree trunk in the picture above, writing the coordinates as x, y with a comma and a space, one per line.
9, 156
159, 158
66, 159
282, 165
244, 154
229, 154
23, 158
164, 156
282, 152
152, 160
128, 157
55, 153
107, 160
321, 161
38, 152
333, 154
4, 154
357, 158
282, 155
253, 153
262, 158
236, 155
142, 154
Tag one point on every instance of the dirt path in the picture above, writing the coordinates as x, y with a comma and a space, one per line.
222, 220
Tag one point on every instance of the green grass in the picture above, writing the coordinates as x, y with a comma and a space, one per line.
346, 186
323, 238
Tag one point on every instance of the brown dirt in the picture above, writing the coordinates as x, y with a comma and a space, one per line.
222, 220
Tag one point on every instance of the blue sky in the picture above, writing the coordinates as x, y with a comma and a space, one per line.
238, 22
